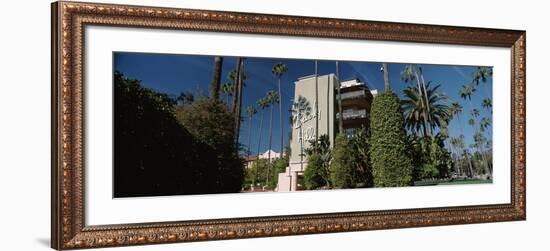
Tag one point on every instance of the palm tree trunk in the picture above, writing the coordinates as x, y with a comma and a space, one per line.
387, 87
316, 102
423, 103
476, 131
281, 116
216, 76
259, 144
340, 118
249, 134
270, 140
238, 103
467, 158
427, 102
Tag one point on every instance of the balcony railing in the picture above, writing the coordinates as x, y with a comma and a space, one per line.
353, 94
353, 114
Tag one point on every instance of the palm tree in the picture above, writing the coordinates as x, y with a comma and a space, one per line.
227, 90
387, 87
340, 118
272, 98
436, 109
250, 111
481, 75
466, 93
216, 76
301, 109
316, 101
458, 163
278, 70
456, 110
465, 153
410, 73
478, 138
487, 104
237, 100
262, 104
484, 123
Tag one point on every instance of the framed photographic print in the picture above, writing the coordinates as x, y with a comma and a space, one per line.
174, 125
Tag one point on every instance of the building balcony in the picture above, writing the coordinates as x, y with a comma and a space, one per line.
353, 114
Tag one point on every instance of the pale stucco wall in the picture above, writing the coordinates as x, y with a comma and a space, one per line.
306, 88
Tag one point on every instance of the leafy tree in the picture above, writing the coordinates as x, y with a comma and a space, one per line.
360, 150
317, 173
256, 174
343, 173
211, 122
155, 154
313, 178
391, 164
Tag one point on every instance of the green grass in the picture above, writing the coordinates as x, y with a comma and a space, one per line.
450, 182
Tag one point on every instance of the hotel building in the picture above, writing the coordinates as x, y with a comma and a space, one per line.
356, 102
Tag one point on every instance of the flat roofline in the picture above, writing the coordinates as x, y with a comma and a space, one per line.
313, 75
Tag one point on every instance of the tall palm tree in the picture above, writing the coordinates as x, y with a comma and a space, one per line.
279, 70
410, 73
262, 104
436, 109
301, 109
465, 153
484, 123
481, 75
227, 90
237, 100
272, 98
487, 104
456, 110
466, 93
457, 162
316, 101
387, 87
478, 139
250, 112
216, 77
340, 118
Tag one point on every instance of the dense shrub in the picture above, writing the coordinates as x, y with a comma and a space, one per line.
391, 164
211, 123
319, 155
312, 175
360, 148
343, 172
154, 154
257, 172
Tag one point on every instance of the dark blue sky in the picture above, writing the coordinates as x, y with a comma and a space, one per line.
173, 74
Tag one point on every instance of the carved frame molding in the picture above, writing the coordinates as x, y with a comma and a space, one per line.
68, 22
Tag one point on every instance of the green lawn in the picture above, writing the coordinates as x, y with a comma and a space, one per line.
450, 182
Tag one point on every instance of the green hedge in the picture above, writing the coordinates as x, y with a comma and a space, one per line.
343, 173
391, 165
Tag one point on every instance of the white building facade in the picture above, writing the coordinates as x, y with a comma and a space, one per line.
356, 99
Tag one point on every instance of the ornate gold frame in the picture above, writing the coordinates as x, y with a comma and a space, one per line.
68, 228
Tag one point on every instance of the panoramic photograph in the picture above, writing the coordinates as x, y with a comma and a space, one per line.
197, 124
